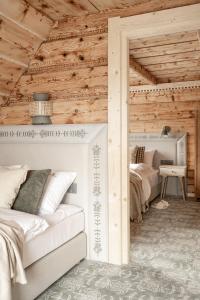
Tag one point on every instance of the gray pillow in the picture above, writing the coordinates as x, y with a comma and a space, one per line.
30, 193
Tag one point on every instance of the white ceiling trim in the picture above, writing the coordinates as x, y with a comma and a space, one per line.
166, 86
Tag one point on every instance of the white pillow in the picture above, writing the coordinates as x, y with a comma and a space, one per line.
148, 157
63, 211
55, 191
32, 225
11, 177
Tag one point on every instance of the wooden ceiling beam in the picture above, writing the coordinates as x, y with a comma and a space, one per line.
14, 61
141, 71
14, 51
4, 94
26, 17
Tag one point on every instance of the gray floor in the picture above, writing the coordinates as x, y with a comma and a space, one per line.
165, 262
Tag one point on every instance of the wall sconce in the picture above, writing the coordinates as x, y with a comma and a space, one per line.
165, 131
41, 109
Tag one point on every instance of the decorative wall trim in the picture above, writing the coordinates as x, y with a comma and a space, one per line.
149, 136
45, 67
165, 86
98, 196
78, 134
62, 36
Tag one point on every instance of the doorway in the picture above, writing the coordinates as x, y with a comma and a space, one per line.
121, 30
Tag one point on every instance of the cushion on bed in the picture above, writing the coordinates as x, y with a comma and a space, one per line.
140, 155
148, 157
57, 186
11, 178
134, 155
137, 155
30, 194
32, 225
63, 211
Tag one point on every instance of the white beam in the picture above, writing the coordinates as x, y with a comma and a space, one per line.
141, 71
114, 142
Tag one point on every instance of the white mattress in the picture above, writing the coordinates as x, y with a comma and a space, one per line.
57, 234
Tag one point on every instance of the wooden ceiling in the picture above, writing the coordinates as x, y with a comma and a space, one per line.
25, 24
163, 59
22, 30
59, 9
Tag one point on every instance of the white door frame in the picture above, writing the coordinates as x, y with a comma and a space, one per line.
120, 31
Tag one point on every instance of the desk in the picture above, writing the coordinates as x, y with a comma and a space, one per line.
175, 171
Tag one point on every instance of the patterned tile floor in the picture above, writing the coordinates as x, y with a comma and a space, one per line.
165, 262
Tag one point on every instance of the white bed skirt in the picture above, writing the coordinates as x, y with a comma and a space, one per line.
47, 270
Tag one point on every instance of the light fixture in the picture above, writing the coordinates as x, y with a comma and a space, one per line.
165, 131
41, 109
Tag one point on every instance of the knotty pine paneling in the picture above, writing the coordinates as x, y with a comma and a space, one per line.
72, 67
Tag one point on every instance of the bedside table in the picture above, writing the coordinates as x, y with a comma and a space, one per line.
175, 171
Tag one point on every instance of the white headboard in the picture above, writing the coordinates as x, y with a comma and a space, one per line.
171, 149
79, 148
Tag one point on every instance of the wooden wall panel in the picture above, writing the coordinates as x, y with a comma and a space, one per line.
72, 66
73, 52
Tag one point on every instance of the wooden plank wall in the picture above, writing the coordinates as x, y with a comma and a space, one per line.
72, 67
179, 109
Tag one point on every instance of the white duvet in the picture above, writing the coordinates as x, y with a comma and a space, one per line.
148, 175
32, 225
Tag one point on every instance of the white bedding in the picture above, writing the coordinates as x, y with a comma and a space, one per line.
148, 175
32, 225
64, 224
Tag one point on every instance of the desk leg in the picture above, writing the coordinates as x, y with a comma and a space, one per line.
164, 186
182, 182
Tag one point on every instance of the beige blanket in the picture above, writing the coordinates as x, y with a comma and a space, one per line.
11, 268
136, 197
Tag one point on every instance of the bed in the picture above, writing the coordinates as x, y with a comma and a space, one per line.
144, 187
61, 246
144, 180
64, 245
78, 148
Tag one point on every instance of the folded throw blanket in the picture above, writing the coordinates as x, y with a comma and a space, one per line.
136, 197
11, 268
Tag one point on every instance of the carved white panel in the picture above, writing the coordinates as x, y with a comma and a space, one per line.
49, 133
98, 197
79, 148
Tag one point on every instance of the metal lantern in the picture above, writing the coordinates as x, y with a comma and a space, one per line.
165, 131
41, 109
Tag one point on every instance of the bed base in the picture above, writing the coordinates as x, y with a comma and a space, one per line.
45, 271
